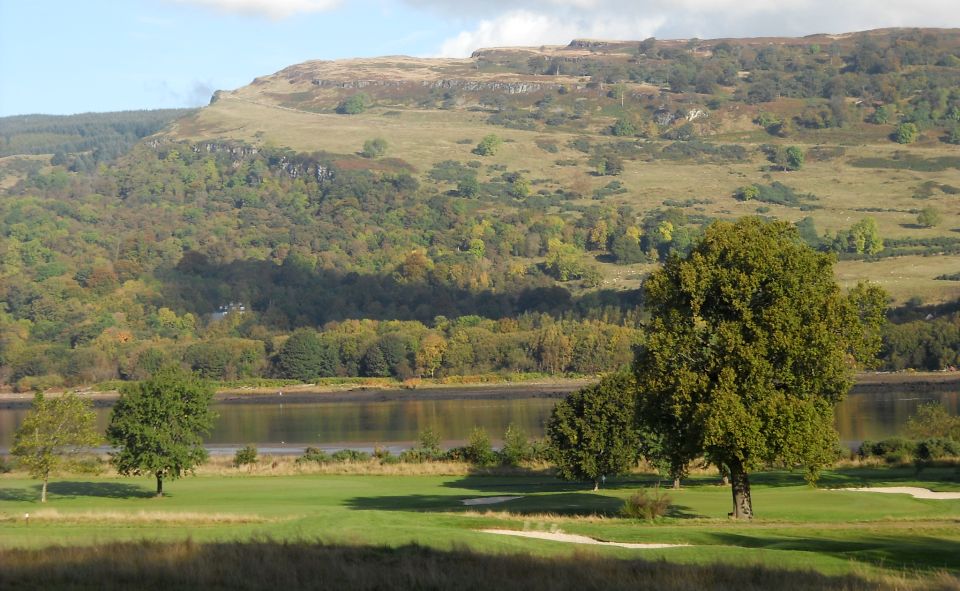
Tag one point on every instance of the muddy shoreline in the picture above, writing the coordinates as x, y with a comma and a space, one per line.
865, 384
315, 394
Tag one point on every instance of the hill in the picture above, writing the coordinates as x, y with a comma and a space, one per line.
439, 217
838, 97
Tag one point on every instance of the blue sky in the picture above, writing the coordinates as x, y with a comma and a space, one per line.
94, 55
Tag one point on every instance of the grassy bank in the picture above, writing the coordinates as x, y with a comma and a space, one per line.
304, 565
419, 521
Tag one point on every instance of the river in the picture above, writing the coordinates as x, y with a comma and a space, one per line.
276, 425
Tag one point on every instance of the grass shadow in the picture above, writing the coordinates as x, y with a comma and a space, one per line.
573, 504
109, 490
903, 552
18, 495
844, 477
279, 565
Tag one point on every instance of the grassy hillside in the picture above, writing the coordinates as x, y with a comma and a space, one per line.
434, 110
435, 217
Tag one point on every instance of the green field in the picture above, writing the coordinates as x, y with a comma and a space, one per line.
878, 537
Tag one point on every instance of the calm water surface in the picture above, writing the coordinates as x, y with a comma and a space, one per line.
279, 427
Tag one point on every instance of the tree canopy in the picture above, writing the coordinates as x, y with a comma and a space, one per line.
158, 425
750, 344
53, 429
592, 432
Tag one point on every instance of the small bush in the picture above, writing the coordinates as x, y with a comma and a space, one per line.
516, 446
350, 455
479, 451
374, 148
646, 505
935, 448
245, 455
456, 454
85, 464
313, 454
488, 146
540, 450
429, 442
892, 449
353, 105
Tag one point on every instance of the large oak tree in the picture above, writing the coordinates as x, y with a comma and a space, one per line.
750, 345
158, 425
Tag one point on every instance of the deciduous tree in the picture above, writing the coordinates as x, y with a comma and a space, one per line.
54, 429
750, 345
592, 432
158, 425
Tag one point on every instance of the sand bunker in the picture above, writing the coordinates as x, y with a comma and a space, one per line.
574, 539
488, 500
915, 492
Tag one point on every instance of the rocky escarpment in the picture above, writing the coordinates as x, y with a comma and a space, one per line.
464, 85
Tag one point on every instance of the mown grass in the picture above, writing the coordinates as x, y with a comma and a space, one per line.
878, 538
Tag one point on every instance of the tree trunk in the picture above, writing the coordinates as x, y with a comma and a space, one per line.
596, 485
159, 485
676, 484
742, 503
43, 492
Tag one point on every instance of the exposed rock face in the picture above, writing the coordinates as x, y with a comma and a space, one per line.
589, 44
448, 84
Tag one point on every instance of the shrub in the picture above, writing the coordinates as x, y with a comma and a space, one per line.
374, 148
646, 505
429, 441
478, 450
488, 146
892, 449
898, 457
245, 455
353, 105
928, 217
344, 456
906, 133
313, 454
623, 128
427, 449
516, 446
933, 420
935, 448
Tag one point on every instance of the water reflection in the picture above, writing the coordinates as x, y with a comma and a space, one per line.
395, 424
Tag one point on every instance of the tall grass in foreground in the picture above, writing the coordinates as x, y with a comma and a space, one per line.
300, 565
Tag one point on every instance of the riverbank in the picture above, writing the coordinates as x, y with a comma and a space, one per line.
351, 392
385, 391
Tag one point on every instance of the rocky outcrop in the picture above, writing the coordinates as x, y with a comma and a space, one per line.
464, 85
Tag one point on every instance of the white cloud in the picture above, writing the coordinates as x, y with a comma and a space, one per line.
536, 22
274, 9
524, 27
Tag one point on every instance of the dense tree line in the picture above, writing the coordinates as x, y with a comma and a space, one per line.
82, 141
95, 266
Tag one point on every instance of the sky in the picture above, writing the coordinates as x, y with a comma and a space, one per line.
74, 56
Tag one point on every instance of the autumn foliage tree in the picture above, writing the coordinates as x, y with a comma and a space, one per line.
749, 347
54, 429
